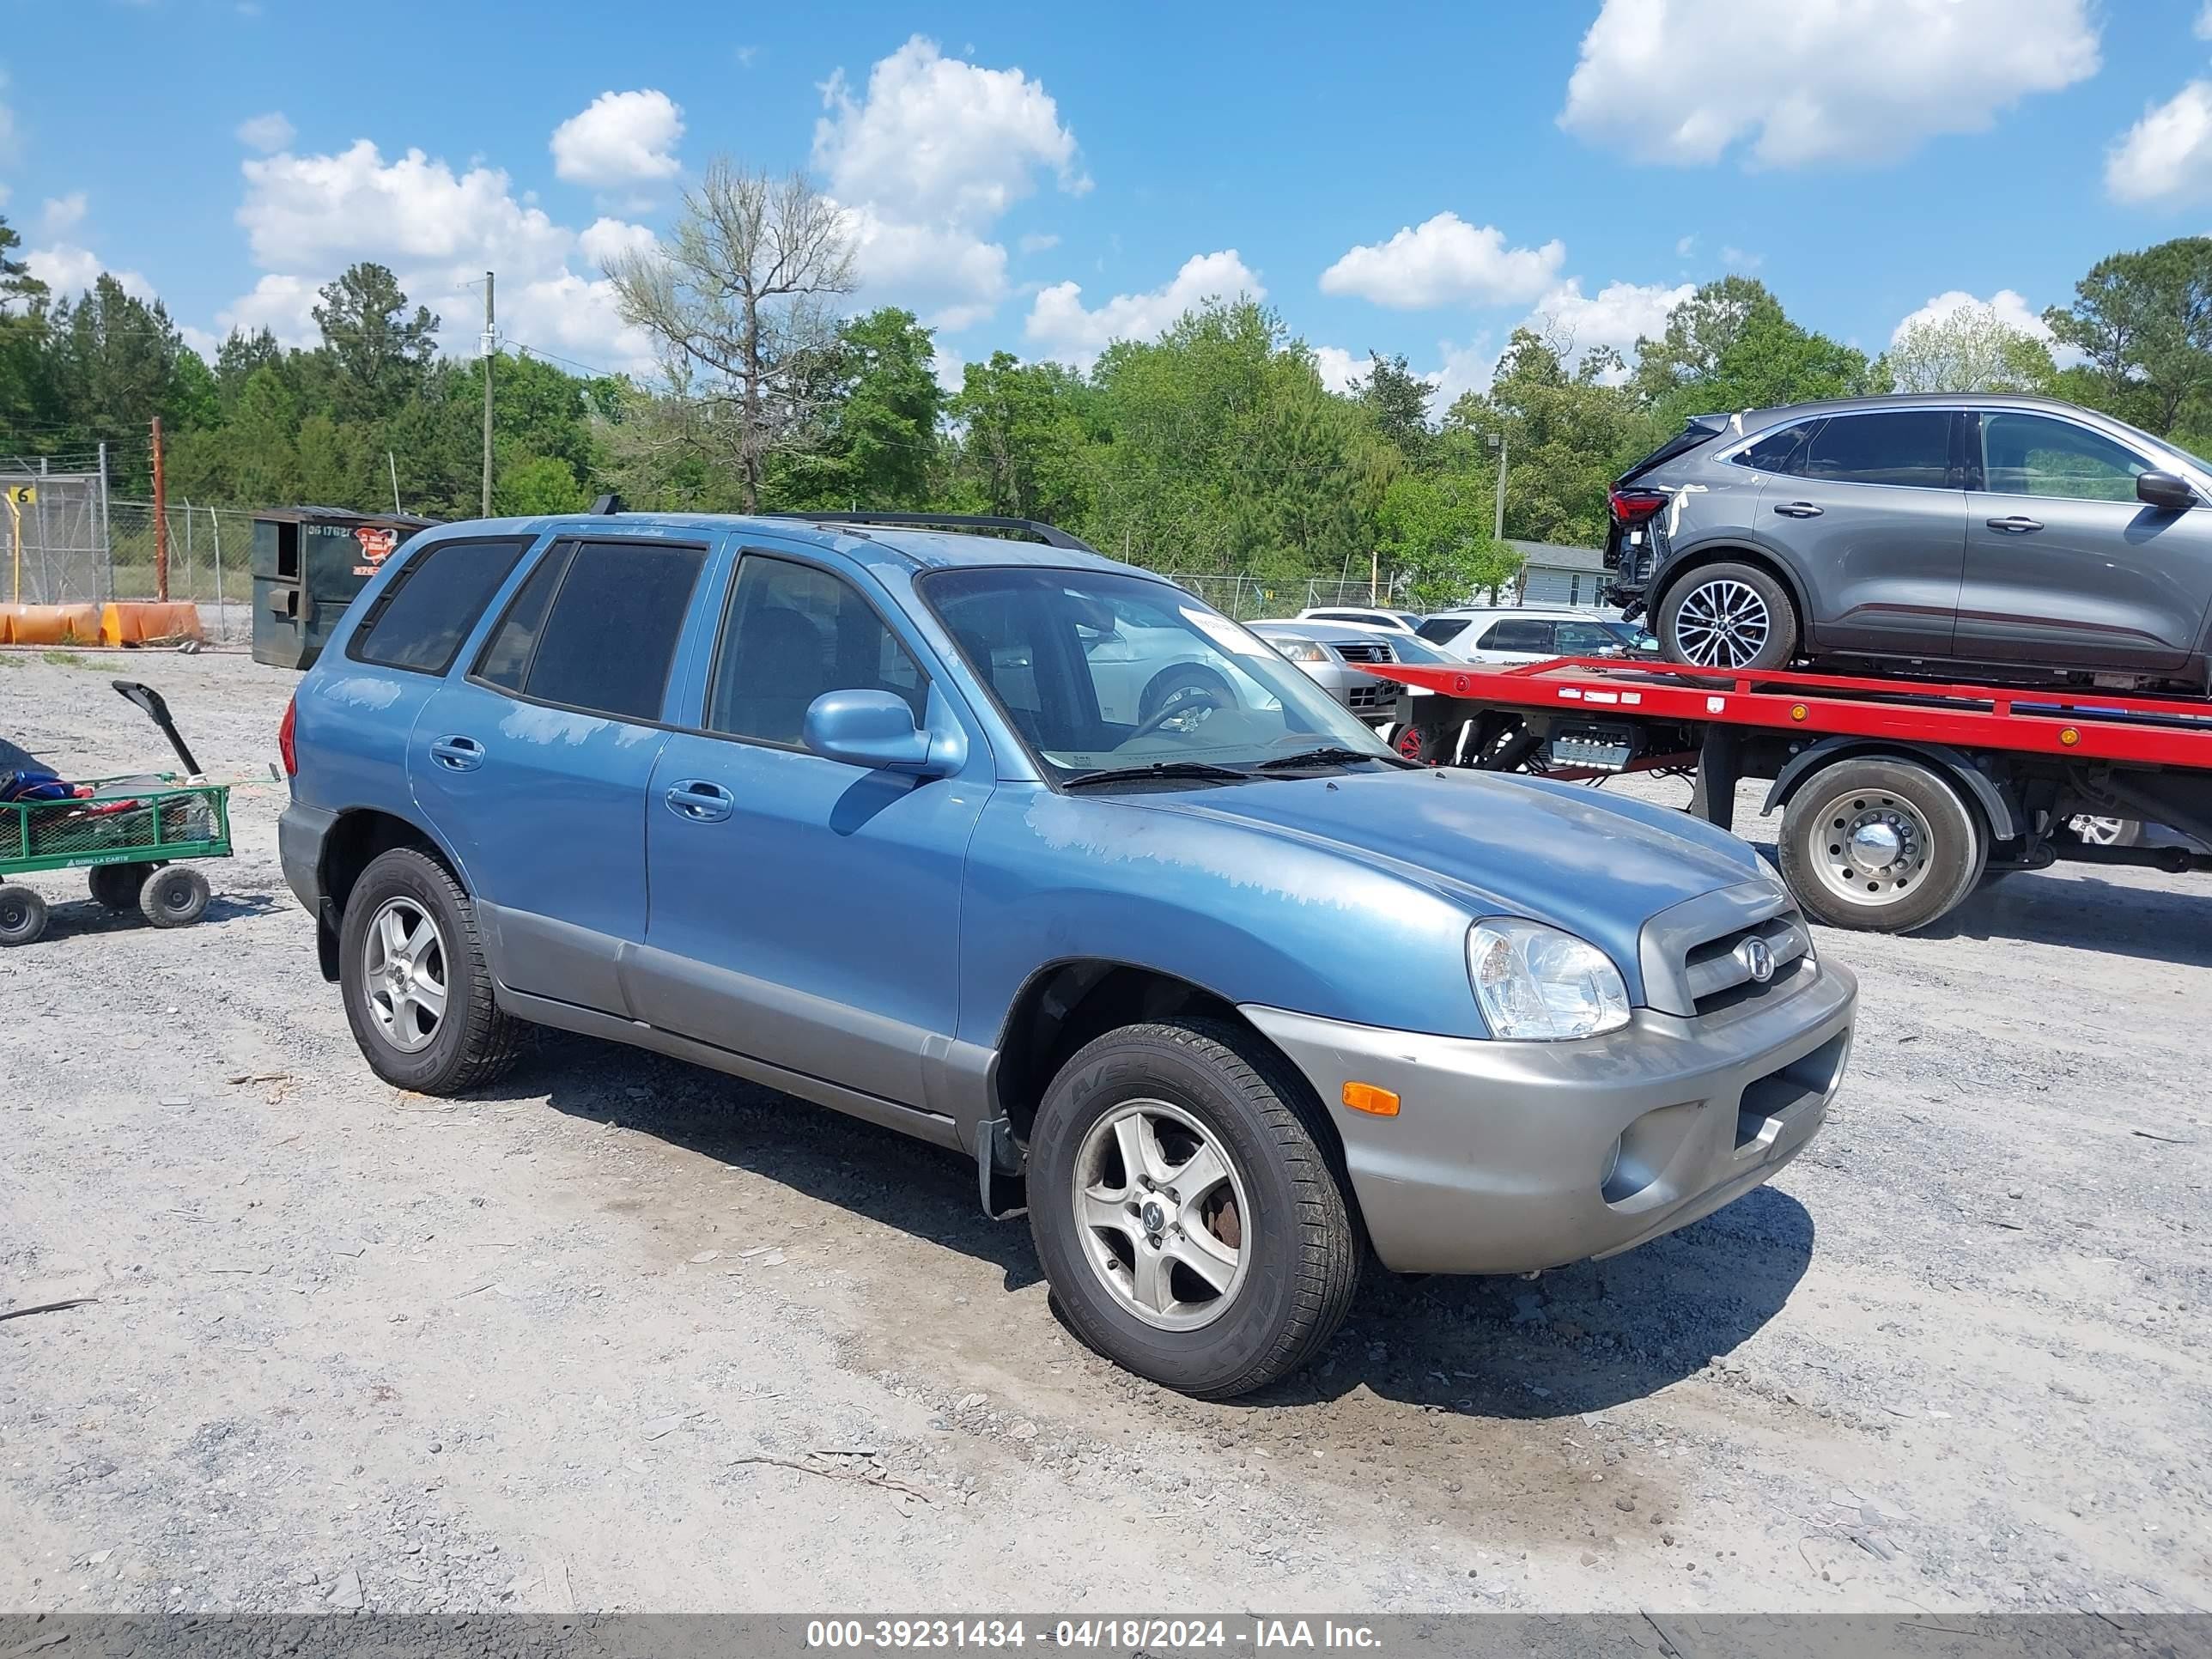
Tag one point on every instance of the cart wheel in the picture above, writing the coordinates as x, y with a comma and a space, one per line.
117, 886
175, 896
22, 916
1884, 845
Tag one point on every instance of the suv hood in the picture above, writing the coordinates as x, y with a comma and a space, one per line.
1598, 866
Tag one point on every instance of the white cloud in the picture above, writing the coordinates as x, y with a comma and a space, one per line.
1684, 246
1061, 326
2010, 309
1038, 242
2204, 22
942, 139
1338, 367
949, 368
307, 217
620, 138
267, 133
1618, 314
62, 214
1444, 261
1681, 82
2166, 157
925, 162
603, 241
68, 271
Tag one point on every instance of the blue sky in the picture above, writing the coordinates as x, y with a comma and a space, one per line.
1408, 178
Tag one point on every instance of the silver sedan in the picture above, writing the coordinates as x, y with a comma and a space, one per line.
1331, 656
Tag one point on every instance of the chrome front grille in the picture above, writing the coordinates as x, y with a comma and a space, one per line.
1722, 972
1362, 650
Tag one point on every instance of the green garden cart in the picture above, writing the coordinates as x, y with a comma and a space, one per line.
128, 834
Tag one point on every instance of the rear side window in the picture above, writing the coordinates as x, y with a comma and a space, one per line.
1908, 448
1522, 635
792, 633
595, 627
1779, 452
1442, 630
433, 600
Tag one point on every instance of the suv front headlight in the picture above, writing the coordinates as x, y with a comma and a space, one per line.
1537, 984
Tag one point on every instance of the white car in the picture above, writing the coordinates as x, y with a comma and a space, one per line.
1532, 634
1394, 622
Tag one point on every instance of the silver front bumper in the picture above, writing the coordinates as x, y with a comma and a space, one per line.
1511, 1157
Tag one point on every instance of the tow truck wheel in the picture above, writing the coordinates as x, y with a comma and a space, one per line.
1881, 845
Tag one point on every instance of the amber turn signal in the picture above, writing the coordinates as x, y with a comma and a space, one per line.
1366, 1097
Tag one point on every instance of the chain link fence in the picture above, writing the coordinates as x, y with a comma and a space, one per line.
56, 527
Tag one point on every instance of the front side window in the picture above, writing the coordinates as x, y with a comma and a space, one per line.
1906, 447
1098, 671
792, 633
432, 601
1522, 633
595, 627
2035, 455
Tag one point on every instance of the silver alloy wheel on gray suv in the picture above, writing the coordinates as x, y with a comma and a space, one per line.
1724, 623
1162, 1208
402, 971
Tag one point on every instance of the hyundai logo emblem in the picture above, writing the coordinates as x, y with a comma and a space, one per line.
1757, 958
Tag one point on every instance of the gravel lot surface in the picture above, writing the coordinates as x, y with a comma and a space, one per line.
623, 1334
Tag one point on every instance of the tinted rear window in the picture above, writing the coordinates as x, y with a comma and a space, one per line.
418, 622
608, 639
1779, 452
1702, 428
1521, 635
1910, 447
1442, 629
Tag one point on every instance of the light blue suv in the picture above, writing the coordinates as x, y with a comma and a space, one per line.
1033, 855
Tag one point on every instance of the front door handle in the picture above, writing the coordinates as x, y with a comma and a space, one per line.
1797, 509
2017, 525
700, 801
458, 754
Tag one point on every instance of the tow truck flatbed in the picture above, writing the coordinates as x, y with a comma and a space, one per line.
1899, 796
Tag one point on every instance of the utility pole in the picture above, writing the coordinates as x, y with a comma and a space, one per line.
160, 519
1497, 532
488, 394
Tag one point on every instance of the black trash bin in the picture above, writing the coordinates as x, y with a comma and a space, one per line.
308, 563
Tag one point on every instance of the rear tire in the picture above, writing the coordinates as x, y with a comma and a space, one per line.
175, 896
1728, 615
1268, 1221
1881, 845
116, 886
410, 914
22, 916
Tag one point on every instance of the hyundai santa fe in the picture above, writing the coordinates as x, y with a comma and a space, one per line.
1034, 857
2023, 537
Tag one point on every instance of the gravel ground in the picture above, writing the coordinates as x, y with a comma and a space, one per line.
626, 1335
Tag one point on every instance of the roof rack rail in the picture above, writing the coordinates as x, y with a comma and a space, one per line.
1035, 529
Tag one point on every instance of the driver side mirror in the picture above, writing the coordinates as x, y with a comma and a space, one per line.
2167, 490
873, 729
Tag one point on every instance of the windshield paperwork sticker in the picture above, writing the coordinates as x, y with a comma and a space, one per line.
1224, 634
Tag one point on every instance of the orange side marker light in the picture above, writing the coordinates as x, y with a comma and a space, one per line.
1367, 1097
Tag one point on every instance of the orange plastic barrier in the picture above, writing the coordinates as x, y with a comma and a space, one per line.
49, 624
136, 622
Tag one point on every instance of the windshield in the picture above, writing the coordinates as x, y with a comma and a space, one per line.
1099, 670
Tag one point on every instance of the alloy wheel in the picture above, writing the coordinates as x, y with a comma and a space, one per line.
403, 961
1161, 1214
1722, 624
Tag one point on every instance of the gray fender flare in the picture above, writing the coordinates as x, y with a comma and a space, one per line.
1997, 810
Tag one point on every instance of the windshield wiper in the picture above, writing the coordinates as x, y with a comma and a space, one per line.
1328, 755
1205, 770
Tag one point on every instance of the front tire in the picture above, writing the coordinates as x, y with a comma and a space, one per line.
1189, 1207
22, 916
1881, 845
418, 989
174, 896
1728, 615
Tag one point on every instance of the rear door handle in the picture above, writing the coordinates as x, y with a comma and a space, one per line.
1797, 509
458, 754
2017, 525
700, 801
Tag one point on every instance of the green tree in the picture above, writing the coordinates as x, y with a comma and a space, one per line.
1434, 530
1398, 400
1023, 443
879, 416
380, 351
2143, 322
535, 485
24, 386
236, 359
1700, 331
115, 360
1969, 350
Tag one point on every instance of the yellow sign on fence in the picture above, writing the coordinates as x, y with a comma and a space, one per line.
22, 494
